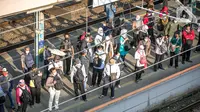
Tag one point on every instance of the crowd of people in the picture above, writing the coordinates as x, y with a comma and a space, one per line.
106, 60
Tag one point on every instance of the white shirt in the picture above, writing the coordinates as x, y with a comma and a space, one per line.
98, 39
59, 65
74, 71
114, 69
138, 54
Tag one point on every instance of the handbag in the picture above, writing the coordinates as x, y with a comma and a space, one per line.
173, 47
113, 76
127, 46
189, 42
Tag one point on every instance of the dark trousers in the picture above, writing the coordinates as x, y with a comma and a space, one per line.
22, 108
138, 74
79, 86
27, 78
186, 55
112, 88
158, 59
117, 83
97, 73
171, 59
35, 93
151, 33
198, 48
67, 65
46, 71
2, 108
135, 40
123, 57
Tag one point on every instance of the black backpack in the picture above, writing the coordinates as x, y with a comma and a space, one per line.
78, 77
26, 96
59, 84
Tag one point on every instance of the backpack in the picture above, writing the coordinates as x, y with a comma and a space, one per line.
127, 46
59, 84
26, 96
78, 77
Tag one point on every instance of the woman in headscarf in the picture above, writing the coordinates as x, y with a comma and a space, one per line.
123, 39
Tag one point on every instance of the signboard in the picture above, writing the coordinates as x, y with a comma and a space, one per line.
15, 6
97, 3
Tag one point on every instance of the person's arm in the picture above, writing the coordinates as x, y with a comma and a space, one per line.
72, 74
166, 30
49, 82
23, 61
84, 73
159, 42
192, 35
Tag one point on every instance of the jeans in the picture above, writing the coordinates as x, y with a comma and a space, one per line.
186, 55
53, 93
9, 94
79, 86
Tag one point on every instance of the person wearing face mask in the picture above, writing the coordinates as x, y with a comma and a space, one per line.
136, 26
99, 38
163, 18
51, 82
161, 49
188, 36
119, 62
149, 21
23, 96
170, 28
141, 62
69, 50
101, 53
175, 47
27, 60
109, 50
123, 39
198, 43
56, 63
110, 13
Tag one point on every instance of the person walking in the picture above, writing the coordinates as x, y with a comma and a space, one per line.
111, 73
141, 62
98, 67
175, 47
35, 85
54, 84
8, 86
78, 78
23, 96
69, 50
161, 49
188, 37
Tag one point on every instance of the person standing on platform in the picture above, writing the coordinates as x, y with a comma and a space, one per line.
136, 26
149, 21
8, 86
123, 38
170, 28
111, 73
35, 85
23, 96
78, 77
119, 61
47, 59
188, 37
161, 49
175, 47
27, 62
69, 50
2, 100
141, 62
198, 43
110, 13
98, 67
54, 84
86, 62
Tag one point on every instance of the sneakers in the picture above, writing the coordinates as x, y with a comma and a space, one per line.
119, 86
101, 96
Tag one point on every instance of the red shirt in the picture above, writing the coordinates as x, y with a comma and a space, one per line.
186, 35
146, 20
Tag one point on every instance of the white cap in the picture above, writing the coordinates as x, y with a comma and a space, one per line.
4, 70
137, 17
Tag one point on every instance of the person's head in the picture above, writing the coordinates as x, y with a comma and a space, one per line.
34, 68
27, 50
141, 47
46, 47
96, 55
21, 83
100, 48
4, 72
175, 21
66, 35
137, 18
124, 33
57, 58
100, 31
112, 61
84, 53
176, 34
188, 28
87, 39
77, 61
117, 54
53, 71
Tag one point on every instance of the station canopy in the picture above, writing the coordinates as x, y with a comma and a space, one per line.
9, 7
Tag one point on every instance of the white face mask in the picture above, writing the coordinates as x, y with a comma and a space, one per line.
175, 21
87, 39
27, 52
145, 39
142, 47
54, 73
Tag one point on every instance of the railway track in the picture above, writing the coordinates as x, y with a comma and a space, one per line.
67, 29
190, 108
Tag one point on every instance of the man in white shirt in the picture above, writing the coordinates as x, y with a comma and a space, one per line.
111, 70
